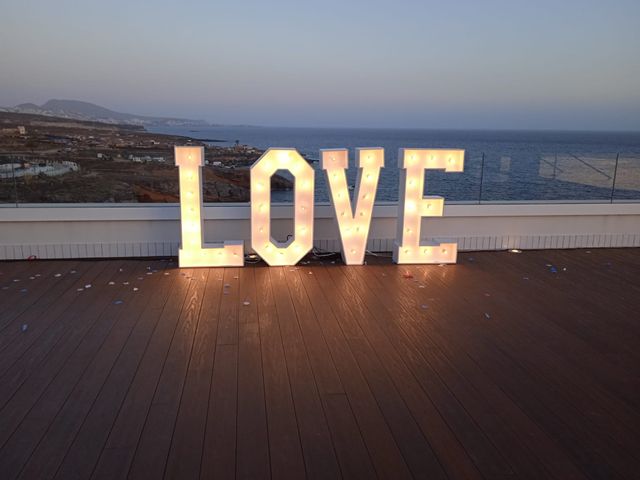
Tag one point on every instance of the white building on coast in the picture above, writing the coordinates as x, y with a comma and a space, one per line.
50, 169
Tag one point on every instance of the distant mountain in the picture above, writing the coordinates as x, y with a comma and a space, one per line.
77, 110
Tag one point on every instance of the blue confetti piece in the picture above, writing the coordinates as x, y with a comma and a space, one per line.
118, 302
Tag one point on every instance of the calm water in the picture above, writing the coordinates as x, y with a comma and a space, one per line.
518, 165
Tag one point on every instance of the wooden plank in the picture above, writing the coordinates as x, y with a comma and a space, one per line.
24, 383
155, 441
108, 449
433, 365
285, 450
31, 409
36, 280
376, 434
436, 434
220, 432
47, 327
577, 354
544, 367
10, 269
349, 446
319, 456
107, 379
381, 374
220, 436
186, 452
550, 412
252, 456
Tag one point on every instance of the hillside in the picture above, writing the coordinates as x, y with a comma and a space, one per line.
78, 110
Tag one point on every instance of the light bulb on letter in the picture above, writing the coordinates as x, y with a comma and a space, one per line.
271, 251
335, 163
193, 251
413, 206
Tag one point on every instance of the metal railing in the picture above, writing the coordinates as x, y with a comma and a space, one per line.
562, 177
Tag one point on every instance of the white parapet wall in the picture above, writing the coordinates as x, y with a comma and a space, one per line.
141, 230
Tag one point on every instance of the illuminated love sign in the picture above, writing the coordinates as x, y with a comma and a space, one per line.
353, 220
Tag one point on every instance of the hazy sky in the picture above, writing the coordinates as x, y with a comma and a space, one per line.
432, 64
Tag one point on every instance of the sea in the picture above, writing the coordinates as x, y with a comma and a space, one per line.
500, 166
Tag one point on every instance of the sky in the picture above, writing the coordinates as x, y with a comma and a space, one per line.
560, 64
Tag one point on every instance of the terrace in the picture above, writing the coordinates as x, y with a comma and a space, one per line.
504, 365
360, 240
115, 363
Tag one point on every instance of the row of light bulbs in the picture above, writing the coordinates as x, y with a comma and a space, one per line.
353, 223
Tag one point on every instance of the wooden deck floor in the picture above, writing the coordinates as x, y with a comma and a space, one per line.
503, 366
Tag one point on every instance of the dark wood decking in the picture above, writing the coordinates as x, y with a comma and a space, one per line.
499, 367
